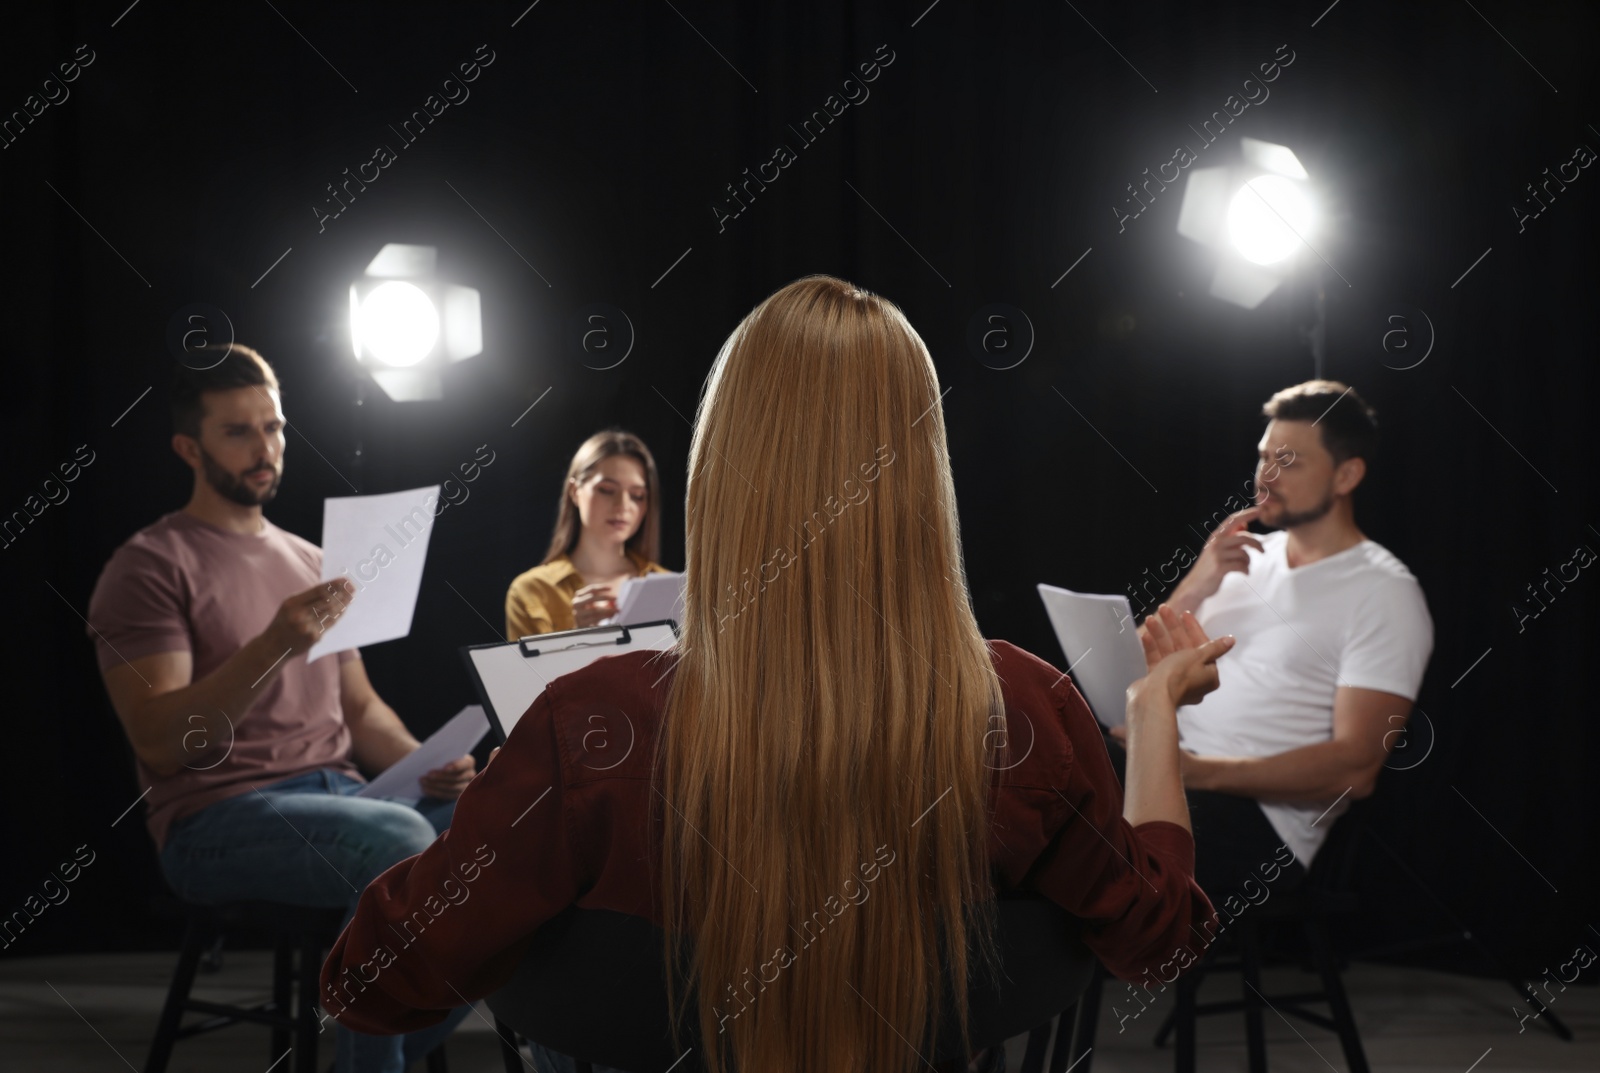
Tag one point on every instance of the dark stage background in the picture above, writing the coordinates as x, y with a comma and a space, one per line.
584, 167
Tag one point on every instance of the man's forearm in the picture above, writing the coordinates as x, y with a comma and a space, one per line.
378, 738
1186, 596
178, 727
1309, 773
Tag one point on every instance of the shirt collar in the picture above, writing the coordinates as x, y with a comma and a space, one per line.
640, 564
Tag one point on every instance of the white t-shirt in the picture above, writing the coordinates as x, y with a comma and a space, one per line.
1357, 618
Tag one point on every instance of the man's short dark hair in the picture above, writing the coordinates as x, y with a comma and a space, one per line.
240, 366
1349, 426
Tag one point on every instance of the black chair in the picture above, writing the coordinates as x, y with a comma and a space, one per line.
1309, 907
1060, 1044
1326, 893
301, 936
592, 985
1329, 892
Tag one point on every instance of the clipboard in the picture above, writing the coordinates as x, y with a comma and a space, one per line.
509, 675
1100, 640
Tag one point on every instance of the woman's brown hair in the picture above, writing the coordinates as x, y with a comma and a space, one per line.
826, 751
602, 445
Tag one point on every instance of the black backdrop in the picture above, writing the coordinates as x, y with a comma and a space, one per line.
986, 160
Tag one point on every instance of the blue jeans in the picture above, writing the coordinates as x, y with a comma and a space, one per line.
309, 841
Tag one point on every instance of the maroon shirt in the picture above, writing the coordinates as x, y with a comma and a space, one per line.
184, 585
560, 818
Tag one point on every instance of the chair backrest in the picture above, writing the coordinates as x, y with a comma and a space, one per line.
592, 985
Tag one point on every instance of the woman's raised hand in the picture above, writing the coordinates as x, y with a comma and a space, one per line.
1182, 660
592, 603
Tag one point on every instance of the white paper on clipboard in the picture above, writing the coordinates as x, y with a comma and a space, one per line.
509, 679
1099, 637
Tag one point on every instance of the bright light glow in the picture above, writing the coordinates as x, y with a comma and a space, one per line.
1268, 218
399, 325
1268, 156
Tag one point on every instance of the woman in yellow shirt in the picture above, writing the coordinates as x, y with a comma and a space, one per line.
606, 531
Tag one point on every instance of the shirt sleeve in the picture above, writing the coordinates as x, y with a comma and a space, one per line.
1133, 887
1390, 640
139, 608
525, 612
450, 925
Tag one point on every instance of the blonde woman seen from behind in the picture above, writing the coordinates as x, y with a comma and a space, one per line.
833, 775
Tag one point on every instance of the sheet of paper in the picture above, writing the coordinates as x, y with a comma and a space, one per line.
455, 739
651, 598
380, 543
1100, 639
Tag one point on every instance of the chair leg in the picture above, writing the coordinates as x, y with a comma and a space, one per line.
1168, 1023
211, 957
282, 992
1038, 1044
1338, 1003
510, 1053
1164, 1033
1079, 1031
1540, 1010
1183, 1058
307, 1013
194, 942
1463, 934
1250, 974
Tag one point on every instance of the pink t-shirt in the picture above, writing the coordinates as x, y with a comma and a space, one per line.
181, 584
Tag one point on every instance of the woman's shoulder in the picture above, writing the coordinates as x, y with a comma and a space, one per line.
606, 713
1044, 715
1021, 670
647, 566
549, 574
642, 672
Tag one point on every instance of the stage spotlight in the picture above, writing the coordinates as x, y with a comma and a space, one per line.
1266, 219
1257, 215
398, 323
408, 323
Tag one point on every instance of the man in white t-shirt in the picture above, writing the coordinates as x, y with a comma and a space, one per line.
1333, 636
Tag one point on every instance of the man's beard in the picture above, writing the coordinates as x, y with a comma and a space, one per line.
234, 488
1290, 518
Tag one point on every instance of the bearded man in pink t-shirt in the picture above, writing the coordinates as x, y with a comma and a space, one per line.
250, 756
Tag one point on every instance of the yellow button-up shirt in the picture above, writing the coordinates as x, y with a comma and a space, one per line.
540, 600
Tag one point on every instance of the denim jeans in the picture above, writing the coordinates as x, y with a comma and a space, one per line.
309, 841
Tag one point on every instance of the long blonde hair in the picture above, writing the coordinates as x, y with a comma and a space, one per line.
826, 751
